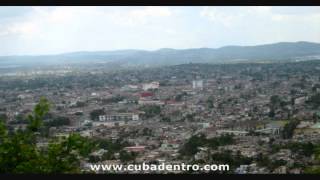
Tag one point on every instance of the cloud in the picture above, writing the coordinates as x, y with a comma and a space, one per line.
23, 28
306, 18
139, 16
66, 28
217, 15
262, 24
44, 19
170, 31
259, 10
65, 17
231, 16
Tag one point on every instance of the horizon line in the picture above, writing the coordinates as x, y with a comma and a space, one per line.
115, 50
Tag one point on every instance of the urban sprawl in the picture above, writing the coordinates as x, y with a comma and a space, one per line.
256, 117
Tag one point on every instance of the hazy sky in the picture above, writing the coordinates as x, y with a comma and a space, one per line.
47, 30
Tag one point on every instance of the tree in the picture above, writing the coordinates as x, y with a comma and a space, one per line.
39, 111
316, 168
94, 115
190, 148
315, 100
19, 153
315, 87
127, 156
151, 111
58, 121
147, 132
226, 157
3, 117
289, 128
220, 141
166, 119
271, 113
275, 100
210, 103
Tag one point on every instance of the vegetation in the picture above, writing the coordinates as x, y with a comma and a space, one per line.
301, 148
190, 148
127, 156
80, 104
265, 161
151, 111
19, 153
289, 128
180, 97
3, 117
94, 114
58, 121
111, 146
165, 119
315, 100
210, 103
227, 157
112, 99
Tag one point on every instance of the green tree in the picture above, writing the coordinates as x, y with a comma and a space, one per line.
190, 148
151, 111
19, 153
58, 121
3, 117
289, 128
210, 103
94, 114
39, 111
127, 156
315, 100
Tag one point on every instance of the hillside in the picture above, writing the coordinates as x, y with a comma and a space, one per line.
271, 52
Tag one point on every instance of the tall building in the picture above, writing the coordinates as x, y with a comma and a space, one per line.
197, 84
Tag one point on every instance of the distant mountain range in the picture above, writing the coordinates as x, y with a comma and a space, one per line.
282, 51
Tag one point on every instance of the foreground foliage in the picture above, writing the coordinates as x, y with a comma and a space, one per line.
19, 152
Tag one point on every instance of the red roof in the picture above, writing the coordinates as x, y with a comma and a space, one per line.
146, 94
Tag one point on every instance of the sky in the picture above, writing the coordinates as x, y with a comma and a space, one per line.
51, 30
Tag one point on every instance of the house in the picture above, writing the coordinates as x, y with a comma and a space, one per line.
299, 100
102, 118
119, 117
146, 94
150, 102
280, 170
135, 148
152, 85
273, 127
237, 133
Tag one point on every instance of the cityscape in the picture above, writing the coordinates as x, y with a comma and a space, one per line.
254, 108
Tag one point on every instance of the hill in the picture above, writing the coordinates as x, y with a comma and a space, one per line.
282, 51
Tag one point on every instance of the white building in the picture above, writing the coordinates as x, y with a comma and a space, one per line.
135, 117
150, 102
119, 117
129, 88
152, 85
102, 118
236, 133
197, 84
299, 100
